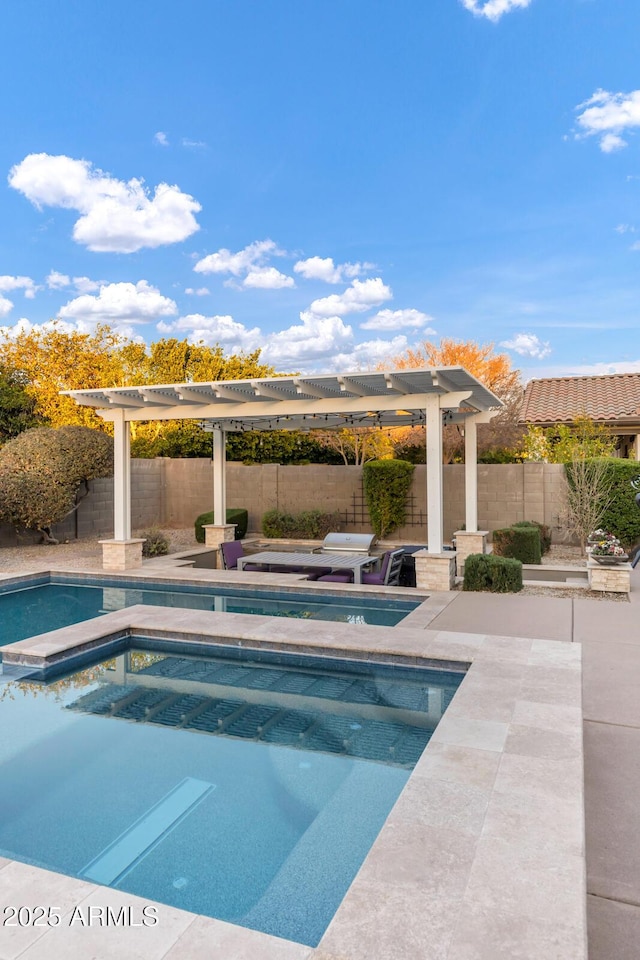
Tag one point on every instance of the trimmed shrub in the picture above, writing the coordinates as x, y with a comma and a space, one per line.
485, 571
544, 530
308, 525
155, 544
518, 543
234, 515
386, 487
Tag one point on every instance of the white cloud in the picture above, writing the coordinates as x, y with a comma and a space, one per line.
608, 116
398, 320
161, 139
217, 329
199, 292
625, 228
360, 296
494, 9
316, 338
120, 302
224, 261
367, 355
6, 306
86, 285
323, 268
193, 144
584, 369
57, 280
116, 216
267, 278
8, 283
528, 345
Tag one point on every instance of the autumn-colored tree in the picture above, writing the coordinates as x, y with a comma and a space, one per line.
493, 369
358, 445
564, 443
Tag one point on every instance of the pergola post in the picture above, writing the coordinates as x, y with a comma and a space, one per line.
470, 540
219, 531
123, 552
435, 567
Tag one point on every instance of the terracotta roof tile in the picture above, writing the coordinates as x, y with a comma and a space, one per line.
609, 398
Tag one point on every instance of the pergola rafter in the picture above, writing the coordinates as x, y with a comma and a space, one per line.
383, 399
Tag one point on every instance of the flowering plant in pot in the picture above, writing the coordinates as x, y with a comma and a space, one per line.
609, 552
598, 536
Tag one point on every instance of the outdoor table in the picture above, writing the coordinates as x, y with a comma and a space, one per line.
337, 561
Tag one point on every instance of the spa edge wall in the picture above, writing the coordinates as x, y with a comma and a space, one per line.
173, 493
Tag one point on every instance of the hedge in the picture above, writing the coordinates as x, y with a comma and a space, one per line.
519, 543
485, 571
234, 515
308, 525
544, 530
386, 486
622, 516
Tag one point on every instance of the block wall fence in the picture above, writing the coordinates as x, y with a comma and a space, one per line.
173, 493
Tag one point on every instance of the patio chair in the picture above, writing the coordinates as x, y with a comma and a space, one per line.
387, 576
231, 551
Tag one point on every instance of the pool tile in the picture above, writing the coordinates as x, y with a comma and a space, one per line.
22, 885
386, 923
80, 942
445, 761
482, 734
205, 939
483, 933
551, 744
443, 804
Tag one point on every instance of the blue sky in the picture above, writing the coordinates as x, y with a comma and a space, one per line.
332, 180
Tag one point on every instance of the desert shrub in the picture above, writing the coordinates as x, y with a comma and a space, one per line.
155, 544
386, 487
543, 529
43, 471
519, 543
485, 571
308, 525
234, 515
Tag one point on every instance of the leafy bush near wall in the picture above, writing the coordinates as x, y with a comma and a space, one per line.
155, 543
386, 487
622, 516
487, 572
234, 515
544, 531
308, 525
519, 543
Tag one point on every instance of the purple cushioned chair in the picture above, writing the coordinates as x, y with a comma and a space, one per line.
389, 573
232, 550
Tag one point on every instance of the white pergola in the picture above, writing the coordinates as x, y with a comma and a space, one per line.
389, 398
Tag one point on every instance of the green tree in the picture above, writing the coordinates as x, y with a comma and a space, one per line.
45, 472
16, 405
563, 443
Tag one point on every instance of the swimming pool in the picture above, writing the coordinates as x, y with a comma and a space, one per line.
245, 789
49, 602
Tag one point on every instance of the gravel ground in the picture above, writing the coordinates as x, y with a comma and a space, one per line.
87, 553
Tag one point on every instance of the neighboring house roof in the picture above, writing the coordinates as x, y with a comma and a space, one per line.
611, 399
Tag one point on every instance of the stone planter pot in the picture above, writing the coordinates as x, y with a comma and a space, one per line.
610, 561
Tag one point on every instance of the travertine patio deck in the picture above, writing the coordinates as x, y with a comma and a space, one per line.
481, 857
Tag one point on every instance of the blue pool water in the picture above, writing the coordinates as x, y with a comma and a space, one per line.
47, 606
247, 790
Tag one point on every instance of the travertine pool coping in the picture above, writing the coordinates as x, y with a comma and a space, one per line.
482, 855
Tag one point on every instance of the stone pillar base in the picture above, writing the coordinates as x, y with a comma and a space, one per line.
122, 554
435, 571
468, 542
614, 579
217, 533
